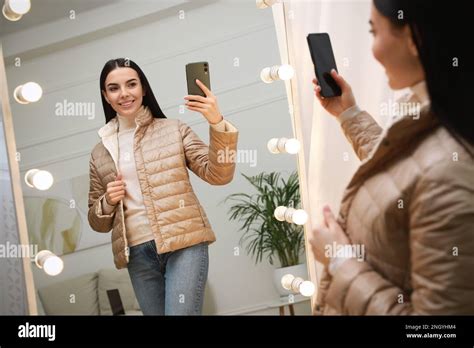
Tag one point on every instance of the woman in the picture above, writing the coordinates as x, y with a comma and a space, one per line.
410, 205
140, 189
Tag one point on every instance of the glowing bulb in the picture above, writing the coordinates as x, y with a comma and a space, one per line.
277, 72
39, 179
292, 146
299, 217
283, 145
30, 92
286, 72
53, 265
13, 10
307, 288
48, 261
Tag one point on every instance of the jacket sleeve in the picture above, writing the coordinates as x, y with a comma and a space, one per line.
98, 220
215, 163
361, 130
442, 254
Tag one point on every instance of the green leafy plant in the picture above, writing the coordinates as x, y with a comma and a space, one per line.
262, 233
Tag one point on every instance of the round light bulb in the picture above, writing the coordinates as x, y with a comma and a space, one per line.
280, 213
42, 180
19, 6
292, 146
13, 10
307, 288
31, 92
272, 145
286, 72
286, 281
53, 265
299, 217
39, 179
265, 75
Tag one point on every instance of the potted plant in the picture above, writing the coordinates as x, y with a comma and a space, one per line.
263, 234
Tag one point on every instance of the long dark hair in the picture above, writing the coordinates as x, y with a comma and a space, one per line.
149, 98
437, 28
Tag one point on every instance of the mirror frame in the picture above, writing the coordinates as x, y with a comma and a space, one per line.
16, 186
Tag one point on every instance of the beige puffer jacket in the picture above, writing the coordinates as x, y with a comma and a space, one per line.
163, 150
411, 205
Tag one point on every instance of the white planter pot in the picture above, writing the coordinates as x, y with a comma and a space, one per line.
298, 271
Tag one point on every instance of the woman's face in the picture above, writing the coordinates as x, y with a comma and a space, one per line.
395, 50
123, 91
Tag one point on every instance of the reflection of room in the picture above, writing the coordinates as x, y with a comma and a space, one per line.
62, 48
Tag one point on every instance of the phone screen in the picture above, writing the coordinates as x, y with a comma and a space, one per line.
323, 60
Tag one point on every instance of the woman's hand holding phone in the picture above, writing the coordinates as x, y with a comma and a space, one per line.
115, 190
336, 105
207, 106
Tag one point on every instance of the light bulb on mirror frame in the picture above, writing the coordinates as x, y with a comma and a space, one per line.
277, 72
49, 262
283, 145
13, 10
291, 215
29, 92
297, 285
39, 179
307, 288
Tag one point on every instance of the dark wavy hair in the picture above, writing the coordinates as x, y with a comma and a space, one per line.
437, 29
149, 98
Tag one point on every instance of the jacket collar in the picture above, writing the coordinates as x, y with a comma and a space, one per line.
143, 118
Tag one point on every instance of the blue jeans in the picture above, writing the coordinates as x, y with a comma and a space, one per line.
171, 283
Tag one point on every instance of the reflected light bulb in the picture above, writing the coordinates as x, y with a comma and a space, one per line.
13, 10
280, 213
286, 281
39, 179
53, 265
30, 92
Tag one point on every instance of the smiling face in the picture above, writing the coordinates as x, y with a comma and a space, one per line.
124, 91
394, 48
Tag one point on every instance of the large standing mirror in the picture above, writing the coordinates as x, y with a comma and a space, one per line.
63, 46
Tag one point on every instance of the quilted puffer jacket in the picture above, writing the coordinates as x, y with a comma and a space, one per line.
411, 206
163, 149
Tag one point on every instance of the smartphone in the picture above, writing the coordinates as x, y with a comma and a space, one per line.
323, 60
200, 71
115, 302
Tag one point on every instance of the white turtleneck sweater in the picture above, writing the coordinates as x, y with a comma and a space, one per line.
137, 225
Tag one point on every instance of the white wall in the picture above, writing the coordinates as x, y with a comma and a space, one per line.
66, 56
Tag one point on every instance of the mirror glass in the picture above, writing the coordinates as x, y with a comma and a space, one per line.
63, 46
13, 290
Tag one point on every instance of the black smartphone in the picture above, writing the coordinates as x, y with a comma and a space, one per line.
200, 71
323, 60
115, 302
